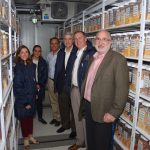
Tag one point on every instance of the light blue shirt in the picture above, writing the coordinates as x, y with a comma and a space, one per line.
51, 59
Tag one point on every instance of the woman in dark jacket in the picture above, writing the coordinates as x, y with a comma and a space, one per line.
24, 86
41, 80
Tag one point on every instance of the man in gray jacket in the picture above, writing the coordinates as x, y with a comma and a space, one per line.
105, 91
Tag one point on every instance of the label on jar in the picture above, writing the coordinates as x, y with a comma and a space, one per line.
148, 118
136, 10
127, 107
140, 146
134, 76
120, 130
132, 110
130, 74
127, 13
141, 116
147, 43
125, 135
146, 80
126, 42
148, 6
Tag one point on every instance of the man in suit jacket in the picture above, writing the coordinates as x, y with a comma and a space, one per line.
105, 92
62, 83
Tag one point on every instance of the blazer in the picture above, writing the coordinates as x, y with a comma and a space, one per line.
62, 77
109, 92
24, 86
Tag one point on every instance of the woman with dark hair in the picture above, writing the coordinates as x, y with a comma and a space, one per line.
41, 80
24, 86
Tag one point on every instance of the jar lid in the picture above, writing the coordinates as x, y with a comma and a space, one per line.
128, 126
146, 104
145, 139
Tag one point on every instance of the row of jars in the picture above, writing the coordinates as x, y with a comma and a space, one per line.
77, 27
128, 44
4, 14
127, 13
123, 134
124, 14
4, 42
93, 24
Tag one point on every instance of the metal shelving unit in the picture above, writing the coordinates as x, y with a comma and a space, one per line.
7, 119
140, 63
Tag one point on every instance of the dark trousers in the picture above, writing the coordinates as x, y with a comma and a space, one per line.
26, 126
99, 135
66, 113
39, 104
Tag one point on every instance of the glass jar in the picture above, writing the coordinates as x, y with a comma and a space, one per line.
148, 10
106, 20
131, 110
137, 12
143, 143
143, 116
117, 17
127, 44
122, 15
126, 111
1, 43
135, 39
126, 140
111, 17
147, 45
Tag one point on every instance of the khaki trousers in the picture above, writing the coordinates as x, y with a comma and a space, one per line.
80, 125
53, 100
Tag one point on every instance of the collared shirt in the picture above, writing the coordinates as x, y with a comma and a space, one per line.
67, 55
36, 71
98, 58
51, 59
76, 66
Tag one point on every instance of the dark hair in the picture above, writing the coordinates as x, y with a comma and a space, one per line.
35, 46
18, 59
54, 38
83, 33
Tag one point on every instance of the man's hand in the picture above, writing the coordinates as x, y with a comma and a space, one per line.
108, 118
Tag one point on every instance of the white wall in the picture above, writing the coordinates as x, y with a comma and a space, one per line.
32, 34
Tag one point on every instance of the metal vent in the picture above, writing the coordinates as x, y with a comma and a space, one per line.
59, 10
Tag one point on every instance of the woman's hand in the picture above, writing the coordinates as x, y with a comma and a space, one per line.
28, 107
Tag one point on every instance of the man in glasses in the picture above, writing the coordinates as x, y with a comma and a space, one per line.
105, 91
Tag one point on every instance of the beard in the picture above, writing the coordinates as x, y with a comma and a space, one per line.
102, 50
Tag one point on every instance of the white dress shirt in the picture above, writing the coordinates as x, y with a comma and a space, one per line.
67, 55
76, 66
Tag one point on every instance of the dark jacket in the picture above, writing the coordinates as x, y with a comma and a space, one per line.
42, 76
90, 50
62, 78
24, 87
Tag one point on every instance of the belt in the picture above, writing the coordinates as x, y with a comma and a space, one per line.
74, 86
51, 79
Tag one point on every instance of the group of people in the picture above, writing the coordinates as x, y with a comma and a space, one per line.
87, 86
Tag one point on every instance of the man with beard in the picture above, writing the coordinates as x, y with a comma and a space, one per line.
105, 91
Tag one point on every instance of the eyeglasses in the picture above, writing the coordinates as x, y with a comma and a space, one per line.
103, 40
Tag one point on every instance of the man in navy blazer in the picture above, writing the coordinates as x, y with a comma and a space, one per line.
62, 83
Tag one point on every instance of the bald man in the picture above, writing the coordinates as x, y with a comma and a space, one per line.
105, 92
